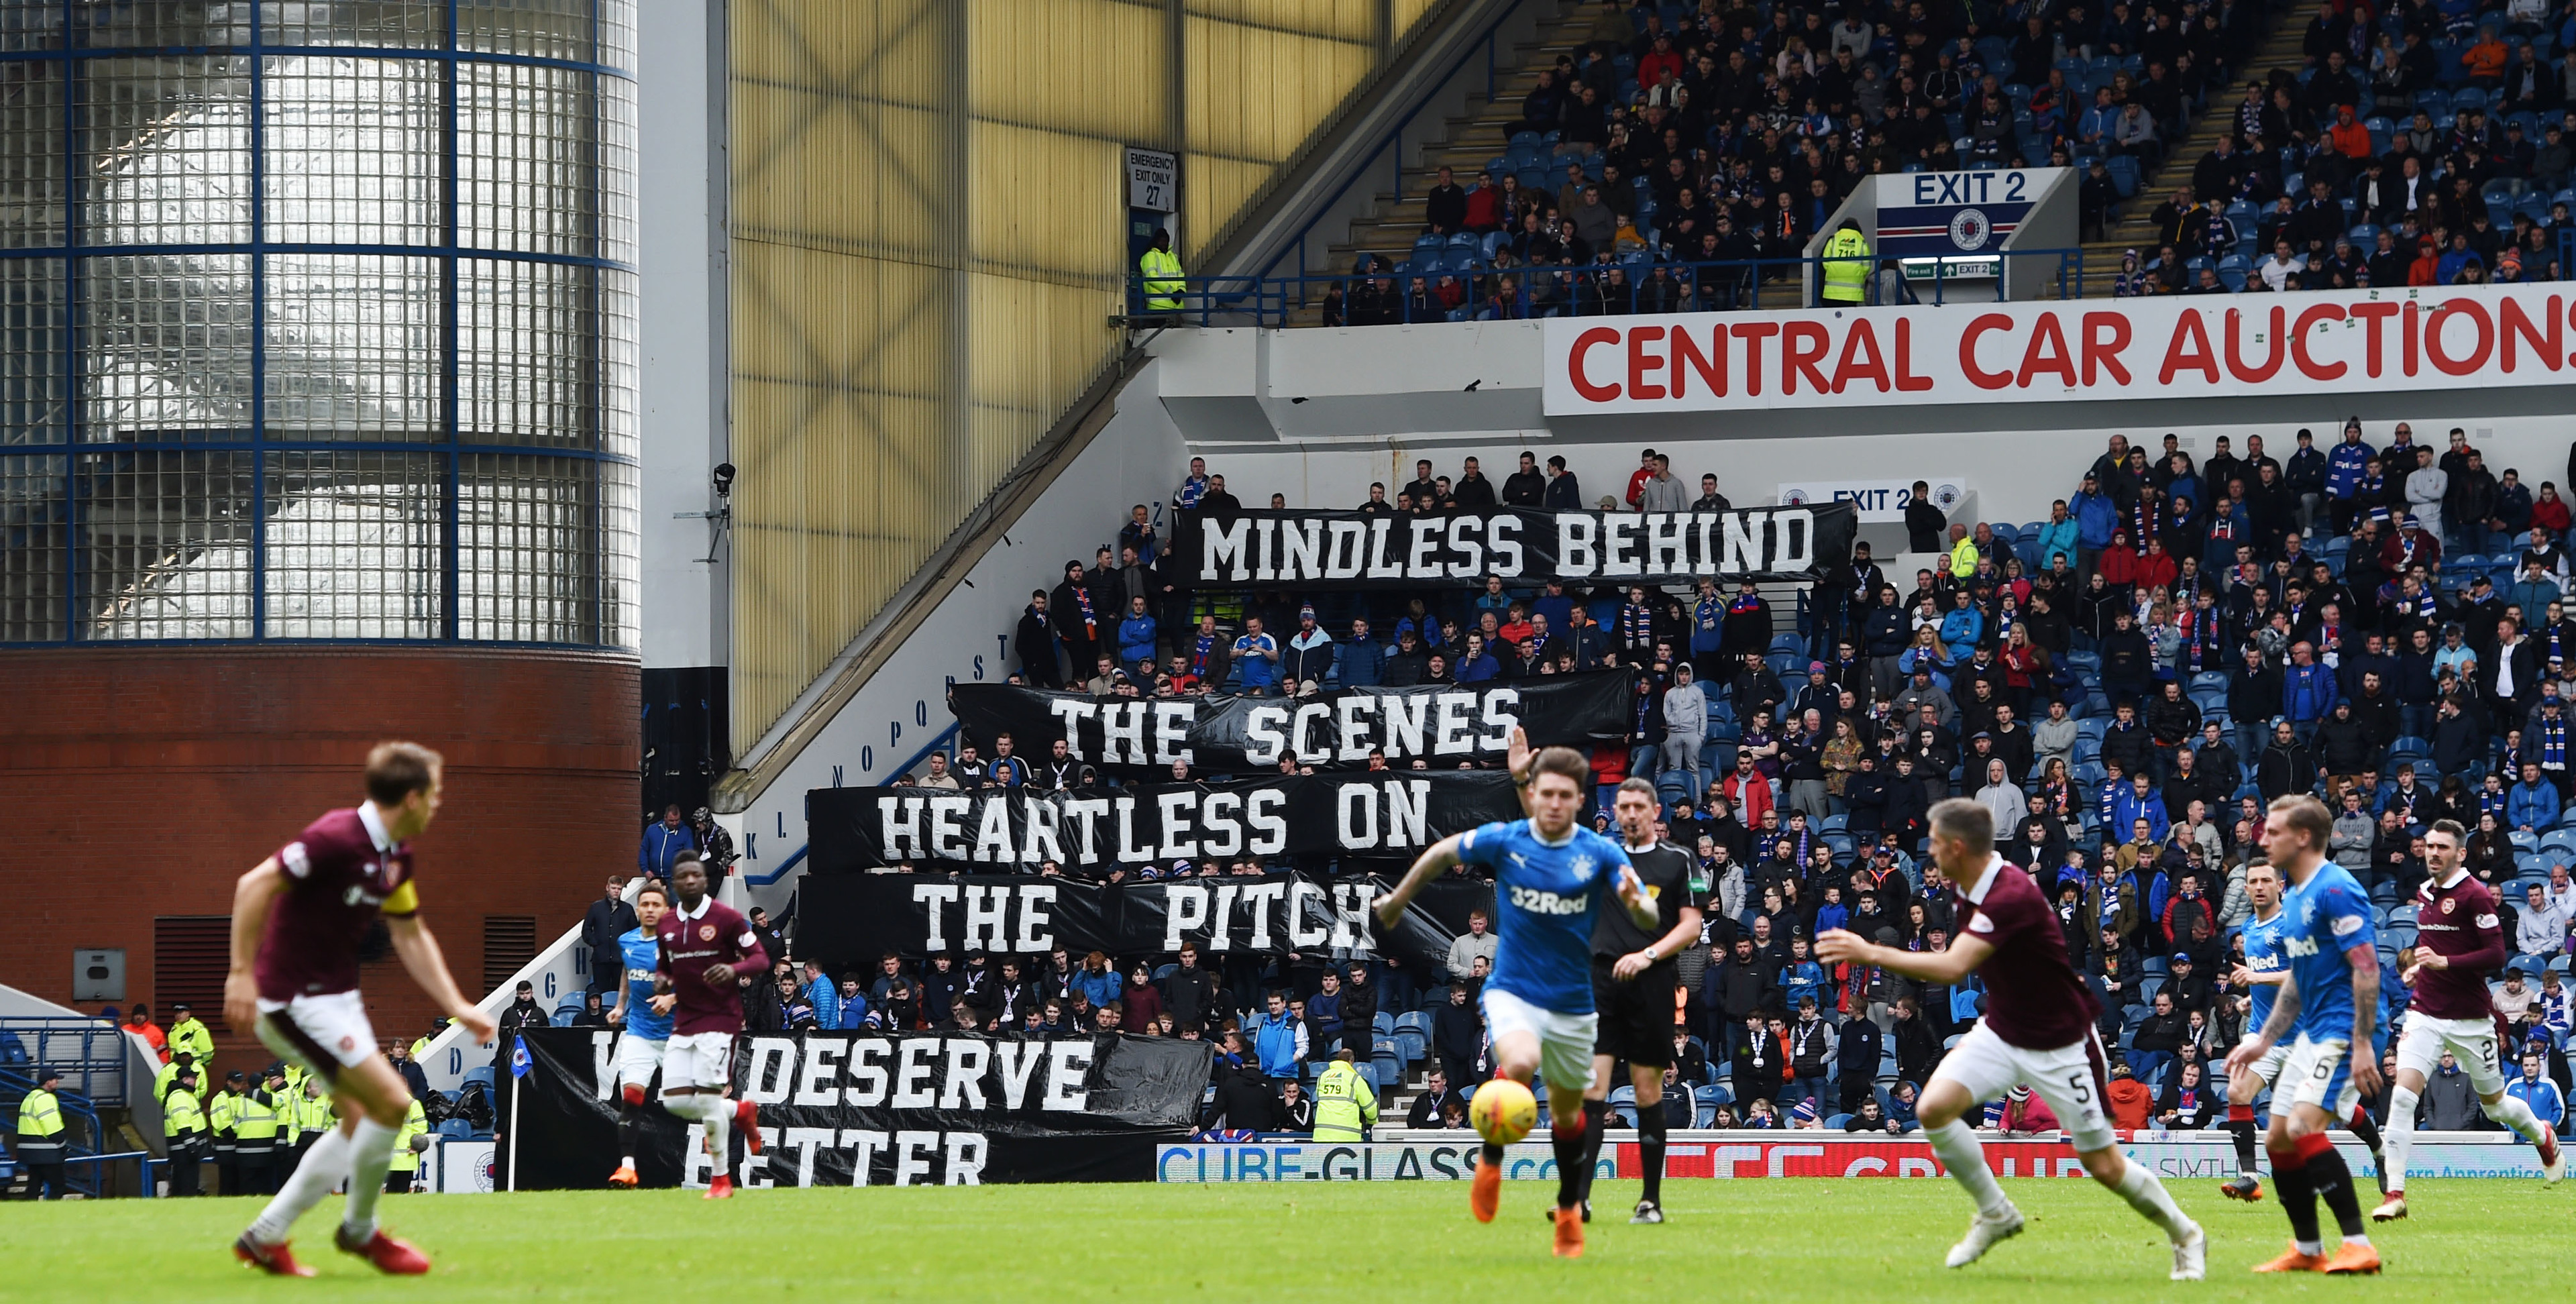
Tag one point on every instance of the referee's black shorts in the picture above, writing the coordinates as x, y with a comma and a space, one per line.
1636, 1016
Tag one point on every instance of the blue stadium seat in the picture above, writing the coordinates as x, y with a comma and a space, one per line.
1383, 1025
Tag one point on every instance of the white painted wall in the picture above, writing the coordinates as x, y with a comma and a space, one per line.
1137, 457
679, 69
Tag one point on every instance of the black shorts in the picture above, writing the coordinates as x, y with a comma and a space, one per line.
1636, 1016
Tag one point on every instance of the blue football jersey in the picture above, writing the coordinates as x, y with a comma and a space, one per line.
2320, 920
2263, 956
641, 950
1547, 898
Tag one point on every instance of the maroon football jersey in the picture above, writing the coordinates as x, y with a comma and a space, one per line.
341, 873
2033, 998
2459, 923
718, 935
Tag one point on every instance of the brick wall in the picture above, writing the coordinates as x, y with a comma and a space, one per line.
141, 782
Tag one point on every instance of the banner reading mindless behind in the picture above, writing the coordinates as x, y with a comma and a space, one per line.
1389, 550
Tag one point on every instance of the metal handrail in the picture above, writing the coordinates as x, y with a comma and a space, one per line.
1753, 284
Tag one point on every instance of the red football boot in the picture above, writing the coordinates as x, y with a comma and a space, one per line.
624, 1177
392, 1257
275, 1260
720, 1189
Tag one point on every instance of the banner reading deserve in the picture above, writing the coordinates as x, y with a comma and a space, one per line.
1360, 550
2324, 343
1385, 813
913, 1109
1444, 723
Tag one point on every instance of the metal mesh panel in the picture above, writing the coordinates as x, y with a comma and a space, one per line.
32, 327
353, 151
619, 381
183, 24
527, 549
353, 347
352, 544
616, 189
165, 545
525, 137
165, 344
166, 151
540, 29
34, 549
389, 23
32, 191
621, 518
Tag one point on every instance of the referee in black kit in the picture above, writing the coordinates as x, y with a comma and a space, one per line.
1633, 981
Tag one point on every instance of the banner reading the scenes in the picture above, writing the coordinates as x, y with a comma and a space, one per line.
1441, 723
850, 1109
1388, 813
1359, 550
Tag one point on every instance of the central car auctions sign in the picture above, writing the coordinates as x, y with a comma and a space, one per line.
2079, 350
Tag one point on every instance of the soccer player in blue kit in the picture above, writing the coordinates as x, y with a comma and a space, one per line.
2330, 1001
1549, 880
647, 1030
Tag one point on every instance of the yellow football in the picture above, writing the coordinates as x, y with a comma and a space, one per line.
1503, 1111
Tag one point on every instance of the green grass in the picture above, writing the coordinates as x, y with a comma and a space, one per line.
1785, 1240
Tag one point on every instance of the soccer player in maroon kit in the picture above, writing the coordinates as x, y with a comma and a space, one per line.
298, 920
2038, 1030
705, 944
2459, 944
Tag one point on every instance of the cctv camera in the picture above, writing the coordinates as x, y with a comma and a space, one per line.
724, 479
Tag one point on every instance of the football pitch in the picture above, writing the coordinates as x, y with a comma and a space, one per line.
1777, 1240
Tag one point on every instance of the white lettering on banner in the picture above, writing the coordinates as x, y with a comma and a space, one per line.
989, 909
2324, 343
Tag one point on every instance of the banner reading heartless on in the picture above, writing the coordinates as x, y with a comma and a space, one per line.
851, 920
1386, 813
844, 1109
1330, 730
1358, 550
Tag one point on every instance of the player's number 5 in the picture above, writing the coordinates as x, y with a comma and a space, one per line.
2083, 1093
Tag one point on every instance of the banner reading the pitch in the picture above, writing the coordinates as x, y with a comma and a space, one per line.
1442, 723
1390, 813
848, 1109
1360, 550
2324, 344
849, 920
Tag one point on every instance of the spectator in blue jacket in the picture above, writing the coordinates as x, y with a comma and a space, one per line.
1309, 655
1256, 658
823, 994
1097, 981
2059, 535
1363, 659
1279, 1039
2346, 465
1324, 1014
1136, 633
2097, 518
2532, 805
663, 843
2533, 1088
1708, 630
2307, 690
2140, 801
853, 1006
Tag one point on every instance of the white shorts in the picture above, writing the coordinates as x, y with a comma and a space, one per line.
2069, 1079
637, 1058
2471, 1041
2317, 1073
702, 1059
1564, 1040
2268, 1068
324, 1033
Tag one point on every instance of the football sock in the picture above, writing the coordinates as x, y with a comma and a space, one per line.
2398, 1139
323, 1167
2516, 1116
1491, 1154
1596, 1121
2298, 1198
2240, 1125
717, 1112
2367, 1128
2147, 1195
1650, 1149
1567, 1133
628, 1128
371, 1152
1960, 1152
2332, 1178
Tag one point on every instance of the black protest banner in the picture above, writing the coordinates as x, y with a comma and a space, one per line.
849, 920
1444, 723
1380, 814
857, 1109
1358, 550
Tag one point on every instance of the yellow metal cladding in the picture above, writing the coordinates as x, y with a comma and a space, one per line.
928, 223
